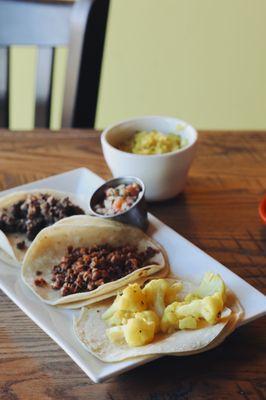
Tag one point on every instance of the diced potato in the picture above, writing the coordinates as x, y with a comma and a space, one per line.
188, 323
210, 284
170, 320
138, 332
131, 299
150, 316
116, 334
119, 317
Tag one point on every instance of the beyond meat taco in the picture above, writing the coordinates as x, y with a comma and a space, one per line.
24, 214
72, 263
164, 317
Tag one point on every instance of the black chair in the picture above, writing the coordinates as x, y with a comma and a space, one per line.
80, 25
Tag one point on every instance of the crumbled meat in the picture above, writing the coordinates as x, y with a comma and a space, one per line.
38, 273
31, 215
21, 245
84, 269
40, 282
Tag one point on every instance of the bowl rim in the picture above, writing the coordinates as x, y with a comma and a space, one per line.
149, 156
106, 183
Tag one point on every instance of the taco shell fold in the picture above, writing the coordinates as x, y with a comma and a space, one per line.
50, 246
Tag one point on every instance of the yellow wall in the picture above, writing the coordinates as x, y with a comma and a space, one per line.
201, 60
22, 87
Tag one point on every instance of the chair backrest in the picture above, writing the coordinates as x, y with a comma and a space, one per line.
48, 25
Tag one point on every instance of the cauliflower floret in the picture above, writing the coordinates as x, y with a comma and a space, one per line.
131, 299
188, 323
159, 293
116, 334
210, 284
212, 306
138, 314
190, 297
155, 292
138, 332
171, 294
119, 317
170, 320
207, 308
150, 316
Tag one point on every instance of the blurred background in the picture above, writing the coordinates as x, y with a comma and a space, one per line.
203, 61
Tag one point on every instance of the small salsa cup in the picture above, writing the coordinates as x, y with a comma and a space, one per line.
136, 215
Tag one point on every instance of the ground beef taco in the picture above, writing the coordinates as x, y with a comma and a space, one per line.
24, 214
73, 263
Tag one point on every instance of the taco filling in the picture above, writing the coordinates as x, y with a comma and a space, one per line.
72, 263
33, 213
138, 314
83, 269
166, 316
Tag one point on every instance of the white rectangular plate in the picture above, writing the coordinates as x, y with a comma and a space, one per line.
186, 260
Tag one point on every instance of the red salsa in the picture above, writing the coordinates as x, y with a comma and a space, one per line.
118, 199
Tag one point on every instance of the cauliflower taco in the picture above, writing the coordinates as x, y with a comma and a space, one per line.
165, 316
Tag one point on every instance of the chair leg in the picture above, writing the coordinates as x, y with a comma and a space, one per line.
88, 25
4, 87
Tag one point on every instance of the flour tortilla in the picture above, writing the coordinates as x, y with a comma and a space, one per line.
88, 220
8, 242
92, 220
228, 329
90, 330
50, 246
237, 314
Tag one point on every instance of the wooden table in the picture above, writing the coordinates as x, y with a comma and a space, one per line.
217, 212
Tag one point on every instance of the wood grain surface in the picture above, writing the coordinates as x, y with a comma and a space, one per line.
218, 212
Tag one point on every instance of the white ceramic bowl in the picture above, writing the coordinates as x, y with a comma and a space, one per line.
164, 175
